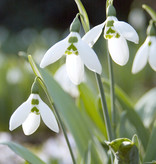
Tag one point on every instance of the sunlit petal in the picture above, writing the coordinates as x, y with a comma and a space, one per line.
141, 57
89, 57
118, 50
92, 36
127, 31
152, 53
75, 68
31, 124
54, 53
62, 78
48, 117
20, 115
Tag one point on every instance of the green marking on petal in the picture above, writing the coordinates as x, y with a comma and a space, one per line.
35, 110
117, 35
108, 36
149, 43
110, 30
73, 40
110, 23
71, 50
34, 101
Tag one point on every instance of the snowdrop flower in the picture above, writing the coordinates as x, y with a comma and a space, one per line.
78, 53
116, 32
147, 52
62, 78
28, 115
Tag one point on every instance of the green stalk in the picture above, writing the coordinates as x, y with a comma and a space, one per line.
104, 108
112, 92
59, 119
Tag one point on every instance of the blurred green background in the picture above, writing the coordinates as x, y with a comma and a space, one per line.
33, 26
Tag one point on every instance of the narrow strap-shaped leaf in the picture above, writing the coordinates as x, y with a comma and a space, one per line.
151, 147
24, 153
131, 114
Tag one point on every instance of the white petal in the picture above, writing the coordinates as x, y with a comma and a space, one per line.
31, 124
118, 50
92, 35
141, 57
54, 53
62, 78
127, 31
75, 68
20, 115
89, 57
152, 53
48, 117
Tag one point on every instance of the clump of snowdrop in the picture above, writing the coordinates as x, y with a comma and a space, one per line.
116, 32
78, 53
28, 114
147, 52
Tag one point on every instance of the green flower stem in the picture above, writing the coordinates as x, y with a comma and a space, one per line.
59, 119
104, 108
112, 92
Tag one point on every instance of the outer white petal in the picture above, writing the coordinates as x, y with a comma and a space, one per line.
89, 57
62, 78
118, 50
31, 124
152, 53
48, 117
20, 115
127, 31
75, 68
141, 57
54, 53
92, 36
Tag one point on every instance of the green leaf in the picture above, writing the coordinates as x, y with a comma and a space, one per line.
24, 153
151, 147
132, 115
84, 18
75, 121
90, 104
150, 11
146, 106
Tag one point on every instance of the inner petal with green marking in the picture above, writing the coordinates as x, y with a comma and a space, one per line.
35, 110
110, 30
71, 50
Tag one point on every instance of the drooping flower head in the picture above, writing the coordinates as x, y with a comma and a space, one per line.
116, 32
78, 53
28, 114
62, 78
147, 52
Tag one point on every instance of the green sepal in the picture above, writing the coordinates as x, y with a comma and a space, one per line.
35, 87
111, 11
75, 25
151, 30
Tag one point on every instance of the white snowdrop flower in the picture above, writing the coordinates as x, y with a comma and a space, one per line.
116, 32
147, 52
78, 53
62, 78
28, 115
